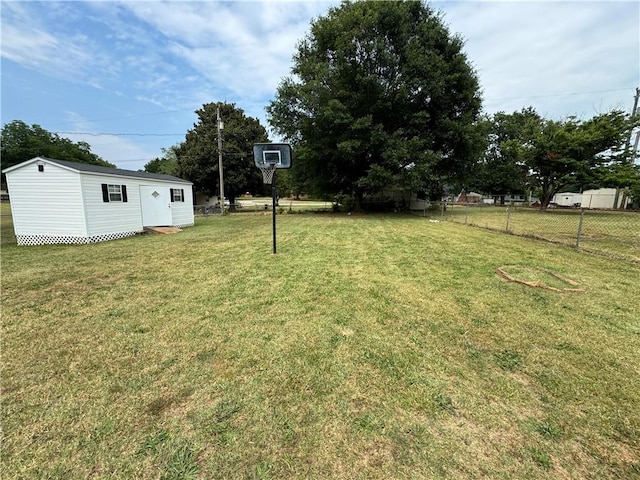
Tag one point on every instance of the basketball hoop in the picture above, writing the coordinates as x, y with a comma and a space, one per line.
267, 173
269, 157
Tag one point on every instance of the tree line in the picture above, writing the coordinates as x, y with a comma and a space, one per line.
380, 94
20, 142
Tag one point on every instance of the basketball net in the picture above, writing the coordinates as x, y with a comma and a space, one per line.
267, 173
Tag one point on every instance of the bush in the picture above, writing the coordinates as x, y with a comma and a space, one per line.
343, 203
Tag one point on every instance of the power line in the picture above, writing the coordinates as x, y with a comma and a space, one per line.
116, 134
99, 134
131, 160
561, 94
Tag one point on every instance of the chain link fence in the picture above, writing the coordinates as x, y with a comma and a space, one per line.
609, 232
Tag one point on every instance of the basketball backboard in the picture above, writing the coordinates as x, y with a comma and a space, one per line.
268, 154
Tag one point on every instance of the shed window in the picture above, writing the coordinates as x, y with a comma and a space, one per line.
177, 195
114, 193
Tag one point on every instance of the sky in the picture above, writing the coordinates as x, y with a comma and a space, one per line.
127, 77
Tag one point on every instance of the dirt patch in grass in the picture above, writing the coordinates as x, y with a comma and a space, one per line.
539, 278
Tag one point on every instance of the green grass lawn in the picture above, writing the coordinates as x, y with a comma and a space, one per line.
6, 225
369, 347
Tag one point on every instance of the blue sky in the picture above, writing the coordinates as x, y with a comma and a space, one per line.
91, 69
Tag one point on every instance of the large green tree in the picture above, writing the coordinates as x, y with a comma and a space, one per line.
197, 156
380, 93
167, 164
501, 169
564, 154
21, 142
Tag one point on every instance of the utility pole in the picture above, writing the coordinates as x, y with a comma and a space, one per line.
635, 146
634, 149
635, 103
634, 112
220, 127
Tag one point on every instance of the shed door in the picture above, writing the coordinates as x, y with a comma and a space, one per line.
156, 206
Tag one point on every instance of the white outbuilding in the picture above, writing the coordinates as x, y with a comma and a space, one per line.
56, 201
604, 198
567, 199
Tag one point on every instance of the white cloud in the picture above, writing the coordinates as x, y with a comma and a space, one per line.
524, 51
33, 42
147, 58
244, 48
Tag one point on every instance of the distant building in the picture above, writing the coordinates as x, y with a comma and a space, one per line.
471, 197
567, 199
604, 198
514, 199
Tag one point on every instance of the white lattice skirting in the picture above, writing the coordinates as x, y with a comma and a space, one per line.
57, 239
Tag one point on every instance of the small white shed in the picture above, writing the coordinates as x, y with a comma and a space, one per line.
55, 201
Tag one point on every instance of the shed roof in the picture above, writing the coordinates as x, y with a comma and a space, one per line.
98, 169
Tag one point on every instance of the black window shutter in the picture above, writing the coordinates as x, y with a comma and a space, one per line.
182, 194
124, 193
171, 194
105, 193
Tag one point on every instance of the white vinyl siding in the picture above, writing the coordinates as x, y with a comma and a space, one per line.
113, 216
601, 198
182, 212
47, 202
109, 217
53, 203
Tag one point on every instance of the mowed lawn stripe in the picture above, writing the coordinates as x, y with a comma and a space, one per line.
368, 347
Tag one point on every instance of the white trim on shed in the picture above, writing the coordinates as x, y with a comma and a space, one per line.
55, 201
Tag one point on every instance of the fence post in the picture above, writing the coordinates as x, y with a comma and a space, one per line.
443, 204
580, 229
466, 213
508, 215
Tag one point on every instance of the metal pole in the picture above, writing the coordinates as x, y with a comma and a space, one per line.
508, 215
635, 103
220, 161
634, 111
580, 229
273, 208
635, 147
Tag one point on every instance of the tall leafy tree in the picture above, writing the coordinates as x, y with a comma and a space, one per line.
21, 142
501, 169
167, 164
197, 156
380, 93
562, 154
